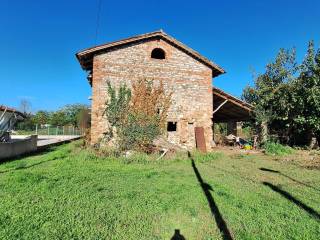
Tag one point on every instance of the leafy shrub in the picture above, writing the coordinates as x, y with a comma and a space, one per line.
139, 131
136, 119
117, 104
273, 148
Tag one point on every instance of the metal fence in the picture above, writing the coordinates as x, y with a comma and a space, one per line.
50, 130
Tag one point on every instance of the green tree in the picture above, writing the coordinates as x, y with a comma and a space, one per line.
271, 94
72, 113
287, 97
307, 94
58, 118
41, 117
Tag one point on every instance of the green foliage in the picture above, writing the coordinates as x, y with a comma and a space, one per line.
41, 117
58, 118
273, 148
134, 117
73, 113
307, 92
287, 97
117, 105
138, 131
247, 132
220, 128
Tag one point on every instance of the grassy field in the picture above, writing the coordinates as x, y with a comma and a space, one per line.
69, 193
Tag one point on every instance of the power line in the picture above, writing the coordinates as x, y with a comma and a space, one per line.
98, 21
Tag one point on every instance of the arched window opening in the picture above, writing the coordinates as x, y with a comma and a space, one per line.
158, 53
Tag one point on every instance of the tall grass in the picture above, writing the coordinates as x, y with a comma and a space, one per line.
273, 148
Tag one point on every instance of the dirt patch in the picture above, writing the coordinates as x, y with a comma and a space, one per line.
304, 158
231, 151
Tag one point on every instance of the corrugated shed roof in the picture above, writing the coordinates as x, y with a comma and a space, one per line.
8, 109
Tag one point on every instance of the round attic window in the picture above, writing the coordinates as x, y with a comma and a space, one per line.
158, 53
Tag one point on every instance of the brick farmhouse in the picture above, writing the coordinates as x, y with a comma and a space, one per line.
196, 104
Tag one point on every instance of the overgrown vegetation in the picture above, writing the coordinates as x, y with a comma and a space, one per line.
136, 118
277, 149
72, 193
287, 98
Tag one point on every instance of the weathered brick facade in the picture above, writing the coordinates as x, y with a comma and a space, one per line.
189, 79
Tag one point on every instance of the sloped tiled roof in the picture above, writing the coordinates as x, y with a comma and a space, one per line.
85, 57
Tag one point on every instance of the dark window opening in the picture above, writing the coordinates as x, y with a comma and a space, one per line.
158, 53
172, 127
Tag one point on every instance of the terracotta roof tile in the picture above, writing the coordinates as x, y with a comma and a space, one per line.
85, 57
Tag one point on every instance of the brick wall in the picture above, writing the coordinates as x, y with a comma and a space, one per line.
187, 78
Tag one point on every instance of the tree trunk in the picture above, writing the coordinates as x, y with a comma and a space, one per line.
311, 140
318, 138
263, 132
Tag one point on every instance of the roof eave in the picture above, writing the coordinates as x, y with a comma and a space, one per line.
237, 101
90, 52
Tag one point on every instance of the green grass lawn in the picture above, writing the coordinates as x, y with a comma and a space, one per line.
69, 193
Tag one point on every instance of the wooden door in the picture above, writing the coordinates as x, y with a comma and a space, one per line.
200, 140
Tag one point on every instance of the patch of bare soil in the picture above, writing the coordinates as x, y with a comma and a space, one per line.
231, 151
305, 158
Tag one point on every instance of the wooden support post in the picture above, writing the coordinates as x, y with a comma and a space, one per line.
239, 128
232, 128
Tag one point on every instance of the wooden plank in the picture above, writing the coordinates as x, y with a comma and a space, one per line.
200, 140
233, 100
220, 106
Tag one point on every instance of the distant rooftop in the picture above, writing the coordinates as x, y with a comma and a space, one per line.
8, 109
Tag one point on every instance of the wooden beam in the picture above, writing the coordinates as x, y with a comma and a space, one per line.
220, 106
237, 102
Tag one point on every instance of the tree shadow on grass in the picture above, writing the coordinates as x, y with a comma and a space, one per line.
288, 196
30, 154
30, 166
292, 179
221, 223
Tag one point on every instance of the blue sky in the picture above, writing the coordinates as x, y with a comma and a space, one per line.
39, 39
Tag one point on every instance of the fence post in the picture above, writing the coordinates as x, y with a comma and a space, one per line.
48, 130
36, 129
62, 130
57, 130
